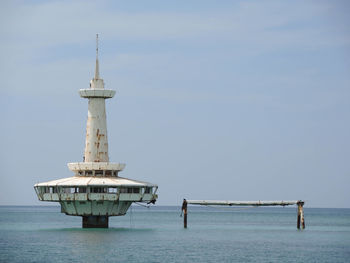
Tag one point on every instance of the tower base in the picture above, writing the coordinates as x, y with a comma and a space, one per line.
95, 221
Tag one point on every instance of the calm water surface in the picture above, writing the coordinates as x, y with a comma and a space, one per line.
43, 234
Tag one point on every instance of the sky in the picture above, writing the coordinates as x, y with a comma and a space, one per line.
223, 100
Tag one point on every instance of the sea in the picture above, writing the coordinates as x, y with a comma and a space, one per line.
156, 234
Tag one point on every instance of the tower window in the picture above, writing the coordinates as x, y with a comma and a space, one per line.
99, 190
112, 190
81, 189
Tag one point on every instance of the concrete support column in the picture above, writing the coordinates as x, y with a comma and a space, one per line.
95, 221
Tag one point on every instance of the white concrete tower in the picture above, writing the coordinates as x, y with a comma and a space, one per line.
96, 191
96, 143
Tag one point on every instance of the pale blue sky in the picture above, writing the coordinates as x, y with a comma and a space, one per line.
237, 100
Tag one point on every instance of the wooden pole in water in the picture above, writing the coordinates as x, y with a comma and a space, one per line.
300, 219
184, 209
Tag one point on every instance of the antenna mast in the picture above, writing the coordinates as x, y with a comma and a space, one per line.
96, 46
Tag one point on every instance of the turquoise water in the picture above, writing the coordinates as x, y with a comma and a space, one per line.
43, 234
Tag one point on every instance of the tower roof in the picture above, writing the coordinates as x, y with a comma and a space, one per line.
96, 181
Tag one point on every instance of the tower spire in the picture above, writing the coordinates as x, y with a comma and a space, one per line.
97, 71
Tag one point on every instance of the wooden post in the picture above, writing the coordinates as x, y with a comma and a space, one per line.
300, 219
184, 209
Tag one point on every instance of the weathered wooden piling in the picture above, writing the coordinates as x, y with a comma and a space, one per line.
300, 218
184, 210
300, 203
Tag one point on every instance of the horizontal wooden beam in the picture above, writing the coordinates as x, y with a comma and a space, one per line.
244, 203
300, 203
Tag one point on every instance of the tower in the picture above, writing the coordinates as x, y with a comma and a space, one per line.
96, 142
96, 191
